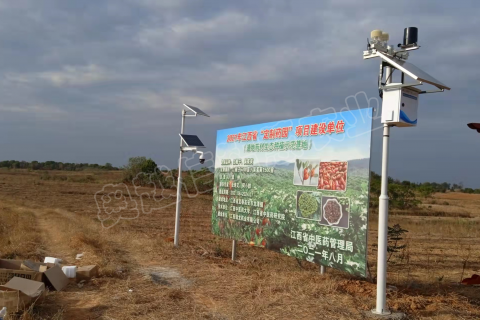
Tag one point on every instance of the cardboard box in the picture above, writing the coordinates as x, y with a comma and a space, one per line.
35, 266
20, 293
13, 268
33, 289
54, 278
87, 272
14, 300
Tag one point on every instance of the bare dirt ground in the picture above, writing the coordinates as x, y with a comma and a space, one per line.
143, 276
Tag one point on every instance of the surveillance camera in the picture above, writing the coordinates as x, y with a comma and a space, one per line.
201, 159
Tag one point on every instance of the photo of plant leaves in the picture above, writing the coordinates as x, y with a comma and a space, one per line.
266, 188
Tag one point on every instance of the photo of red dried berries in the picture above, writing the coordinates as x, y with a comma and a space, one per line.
333, 176
336, 212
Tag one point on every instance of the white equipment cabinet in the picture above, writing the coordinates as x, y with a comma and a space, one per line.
400, 106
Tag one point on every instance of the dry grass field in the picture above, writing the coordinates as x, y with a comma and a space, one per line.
143, 276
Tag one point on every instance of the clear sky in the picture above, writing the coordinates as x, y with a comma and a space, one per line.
102, 81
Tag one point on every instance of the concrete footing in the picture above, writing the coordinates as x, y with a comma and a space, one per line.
391, 316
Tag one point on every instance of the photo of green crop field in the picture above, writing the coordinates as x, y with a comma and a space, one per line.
279, 195
309, 205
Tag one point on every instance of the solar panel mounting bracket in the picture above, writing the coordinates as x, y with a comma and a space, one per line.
401, 85
195, 110
411, 70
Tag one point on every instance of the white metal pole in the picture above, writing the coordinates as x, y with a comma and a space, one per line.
323, 269
179, 188
234, 250
381, 307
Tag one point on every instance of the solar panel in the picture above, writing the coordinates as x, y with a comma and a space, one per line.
196, 110
413, 71
192, 140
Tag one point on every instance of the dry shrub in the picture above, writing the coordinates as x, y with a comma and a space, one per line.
52, 310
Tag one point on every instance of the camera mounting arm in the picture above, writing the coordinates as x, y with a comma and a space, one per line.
201, 158
185, 149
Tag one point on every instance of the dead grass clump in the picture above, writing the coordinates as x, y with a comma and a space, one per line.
176, 294
113, 271
221, 252
20, 239
80, 240
431, 212
147, 302
357, 287
50, 310
328, 285
78, 178
82, 179
101, 247
427, 306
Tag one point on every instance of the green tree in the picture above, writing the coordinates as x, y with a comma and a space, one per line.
468, 190
426, 190
402, 196
135, 167
149, 166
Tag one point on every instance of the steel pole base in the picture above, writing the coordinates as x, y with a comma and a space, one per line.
234, 250
323, 269
387, 315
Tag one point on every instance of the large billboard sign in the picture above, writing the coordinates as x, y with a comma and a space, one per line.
299, 186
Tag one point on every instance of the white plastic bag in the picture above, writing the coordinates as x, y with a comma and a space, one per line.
70, 271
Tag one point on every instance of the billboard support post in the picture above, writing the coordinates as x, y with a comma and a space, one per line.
234, 250
323, 269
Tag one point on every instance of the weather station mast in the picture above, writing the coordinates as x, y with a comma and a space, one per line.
399, 109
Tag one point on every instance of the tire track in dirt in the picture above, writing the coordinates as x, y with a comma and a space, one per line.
77, 304
104, 297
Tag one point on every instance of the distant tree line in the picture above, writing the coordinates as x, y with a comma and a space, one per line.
53, 165
404, 194
144, 172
